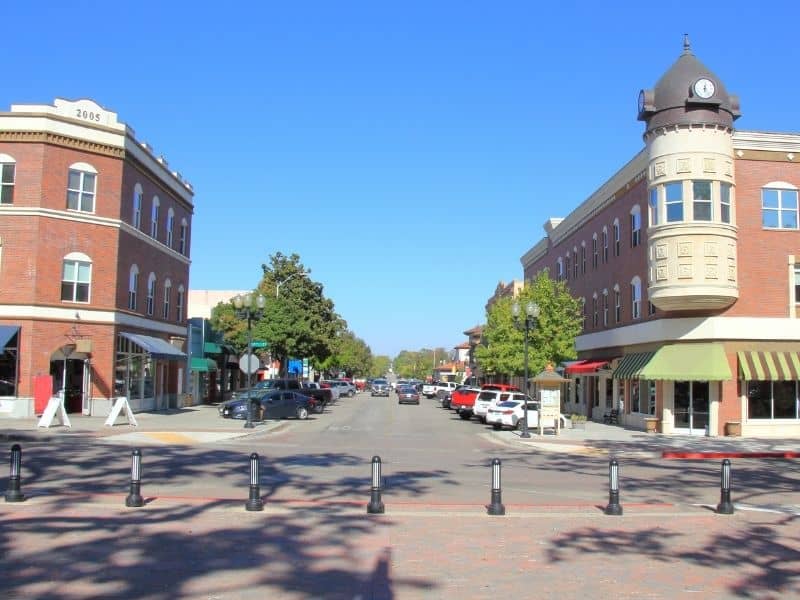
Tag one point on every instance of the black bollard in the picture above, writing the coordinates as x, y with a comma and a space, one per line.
249, 423
496, 506
13, 494
725, 506
375, 506
135, 499
613, 507
254, 503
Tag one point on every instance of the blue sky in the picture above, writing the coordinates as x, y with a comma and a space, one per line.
409, 152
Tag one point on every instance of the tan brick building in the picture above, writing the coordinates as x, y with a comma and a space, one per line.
688, 263
95, 235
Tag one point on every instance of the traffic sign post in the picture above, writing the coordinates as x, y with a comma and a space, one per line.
250, 368
259, 345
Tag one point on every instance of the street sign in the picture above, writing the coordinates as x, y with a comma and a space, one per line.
259, 344
254, 363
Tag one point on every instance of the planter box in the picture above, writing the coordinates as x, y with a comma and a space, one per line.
578, 424
651, 425
733, 428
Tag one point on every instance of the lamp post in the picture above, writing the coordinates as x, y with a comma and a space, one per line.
250, 307
531, 313
278, 284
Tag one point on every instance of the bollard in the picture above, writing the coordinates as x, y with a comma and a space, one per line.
613, 507
254, 503
496, 506
13, 494
375, 506
135, 499
725, 506
249, 423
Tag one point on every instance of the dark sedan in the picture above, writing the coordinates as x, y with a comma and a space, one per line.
283, 405
407, 394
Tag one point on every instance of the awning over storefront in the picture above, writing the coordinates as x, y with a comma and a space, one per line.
631, 364
688, 362
765, 366
154, 346
204, 365
585, 366
6, 333
212, 348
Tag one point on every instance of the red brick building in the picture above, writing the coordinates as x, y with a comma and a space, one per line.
95, 232
688, 263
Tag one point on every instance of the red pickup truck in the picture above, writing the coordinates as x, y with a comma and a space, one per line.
463, 399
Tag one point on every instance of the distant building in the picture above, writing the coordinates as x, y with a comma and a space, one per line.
95, 238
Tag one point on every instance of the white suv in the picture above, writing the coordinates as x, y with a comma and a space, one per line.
489, 399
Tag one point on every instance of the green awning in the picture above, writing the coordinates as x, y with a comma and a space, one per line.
769, 366
688, 362
203, 364
631, 364
212, 348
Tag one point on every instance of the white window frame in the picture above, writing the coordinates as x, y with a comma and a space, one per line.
167, 298
138, 197
653, 204
8, 165
636, 298
595, 318
574, 262
151, 294
617, 235
617, 304
133, 287
707, 203
184, 232
179, 303
636, 226
154, 217
82, 266
781, 189
726, 202
673, 203
595, 256
81, 194
583, 258
170, 226
605, 244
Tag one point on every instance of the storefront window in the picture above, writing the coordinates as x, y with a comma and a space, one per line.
651, 397
772, 400
134, 371
8, 368
635, 403
784, 397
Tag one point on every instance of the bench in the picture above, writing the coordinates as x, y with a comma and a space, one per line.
611, 417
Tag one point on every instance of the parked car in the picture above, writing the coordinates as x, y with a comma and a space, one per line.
380, 387
445, 398
407, 394
345, 387
282, 405
511, 413
490, 398
463, 399
336, 391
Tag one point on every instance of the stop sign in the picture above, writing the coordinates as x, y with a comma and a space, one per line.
254, 363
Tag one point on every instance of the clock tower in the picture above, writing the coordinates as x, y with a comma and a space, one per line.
692, 244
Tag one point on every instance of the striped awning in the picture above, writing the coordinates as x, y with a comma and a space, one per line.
764, 366
631, 364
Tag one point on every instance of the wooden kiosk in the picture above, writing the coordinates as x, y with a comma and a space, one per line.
548, 392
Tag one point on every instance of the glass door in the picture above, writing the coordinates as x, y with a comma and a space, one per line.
691, 407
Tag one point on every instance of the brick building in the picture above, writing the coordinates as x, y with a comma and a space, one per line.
688, 263
95, 232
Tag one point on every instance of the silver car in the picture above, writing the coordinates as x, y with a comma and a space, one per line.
380, 387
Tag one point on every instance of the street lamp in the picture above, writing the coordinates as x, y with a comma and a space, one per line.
250, 307
278, 284
531, 313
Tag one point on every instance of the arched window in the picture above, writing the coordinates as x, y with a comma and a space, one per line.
8, 168
179, 304
167, 298
76, 277
617, 304
184, 232
151, 293
574, 262
559, 269
636, 298
616, 237
154, 218
594, 251
133, 287
605, 244
605, 308
636, 226
583, 311
81, 187
583, 258
594, 310
137, 206
170, 226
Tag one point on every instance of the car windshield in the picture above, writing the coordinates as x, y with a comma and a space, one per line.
406, 389
487, 396
380, 382
510, 404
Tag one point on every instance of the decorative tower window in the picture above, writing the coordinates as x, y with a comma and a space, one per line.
702, 201
674, 202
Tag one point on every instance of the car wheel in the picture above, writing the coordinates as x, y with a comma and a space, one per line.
465, 415
302, 413
497, 426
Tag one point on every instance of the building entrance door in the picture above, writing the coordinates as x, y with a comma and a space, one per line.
691, 407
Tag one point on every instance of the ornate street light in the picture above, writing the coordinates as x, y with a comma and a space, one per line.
249, 307
531, 314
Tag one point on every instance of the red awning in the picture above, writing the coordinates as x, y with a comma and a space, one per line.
585, 366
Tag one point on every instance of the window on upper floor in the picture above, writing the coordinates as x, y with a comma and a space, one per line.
167, 298
605, 308
170, 226
653, 206
179, 304
566, 267
184, 231
76, 278
133, 287
779, 208
605, 245
725, 202
559, 270
154, 218
651, 308
151, 293
137, 207
574, 263
636, 298
594, 311
702, 202
583, 258
797, 284
673, 201
617, 234
636, 226
583, 312
8, 167
617, 305
594, 251
81, 187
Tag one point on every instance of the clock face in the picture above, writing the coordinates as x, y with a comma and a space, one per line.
704, 88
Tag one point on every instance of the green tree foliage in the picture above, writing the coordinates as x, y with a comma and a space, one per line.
351, 355
380, 366
418, 364
551, 339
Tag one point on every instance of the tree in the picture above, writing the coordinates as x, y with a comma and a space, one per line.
380, 366
551, 340
418, 364
349, 354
